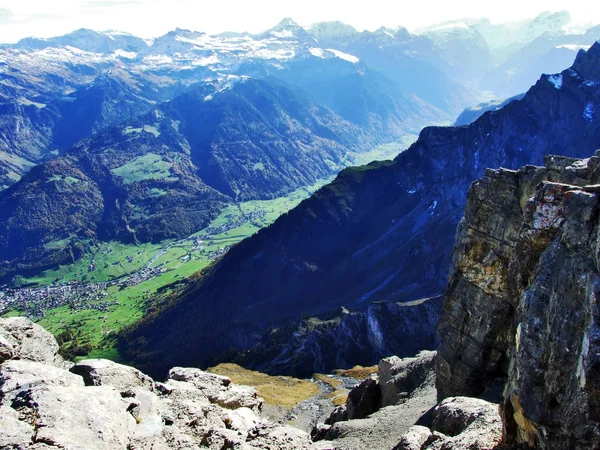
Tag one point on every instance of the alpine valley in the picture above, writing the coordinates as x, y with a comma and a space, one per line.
132, 171
407, 222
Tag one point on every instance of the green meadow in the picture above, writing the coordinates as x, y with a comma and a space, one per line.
92, 332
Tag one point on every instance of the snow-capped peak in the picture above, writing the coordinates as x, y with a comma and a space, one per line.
288, 22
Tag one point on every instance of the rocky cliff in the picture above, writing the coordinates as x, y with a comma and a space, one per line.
321, 345
101, 405
46, 403
521, 303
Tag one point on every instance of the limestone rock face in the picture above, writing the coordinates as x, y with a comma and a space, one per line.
98, 372
101, 405
521, 303
19, 375
218, 388
84, 417
22, 339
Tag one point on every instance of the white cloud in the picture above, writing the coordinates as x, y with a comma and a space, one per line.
150, 18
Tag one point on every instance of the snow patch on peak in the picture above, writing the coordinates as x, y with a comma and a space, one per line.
225, 83
318, 52
345, 56
282, 34
209, 60
556, 80
588, 112
573, 47
116, 33
330, 52
124, 54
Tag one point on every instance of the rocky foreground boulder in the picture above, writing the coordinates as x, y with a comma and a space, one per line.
398, 409
522, 302
460, 423
99, 404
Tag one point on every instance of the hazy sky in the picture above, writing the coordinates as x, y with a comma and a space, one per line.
150, 18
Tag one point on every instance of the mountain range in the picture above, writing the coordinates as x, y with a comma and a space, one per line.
108, 137
379, 232
167, 173
57, 91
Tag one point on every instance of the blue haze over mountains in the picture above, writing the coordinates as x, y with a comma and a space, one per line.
240, 117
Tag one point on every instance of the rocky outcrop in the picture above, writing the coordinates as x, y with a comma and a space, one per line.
399, 377
521, 304
364, 399
345, 339
367, 422
460, 423
96, 372
22, 339
102, 405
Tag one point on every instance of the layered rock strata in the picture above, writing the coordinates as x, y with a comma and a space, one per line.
521, 303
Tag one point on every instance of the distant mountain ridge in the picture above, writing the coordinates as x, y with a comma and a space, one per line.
379, 232
447, 67
54, 84
381, 85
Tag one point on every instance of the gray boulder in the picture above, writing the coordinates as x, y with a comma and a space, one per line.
199, 378
20, 338
460, 423
414, 439
278, 437
101, 372
218, 389
21, 375
399, 377
464, 423
454, 415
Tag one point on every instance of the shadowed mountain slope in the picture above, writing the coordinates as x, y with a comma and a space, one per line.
383, 231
